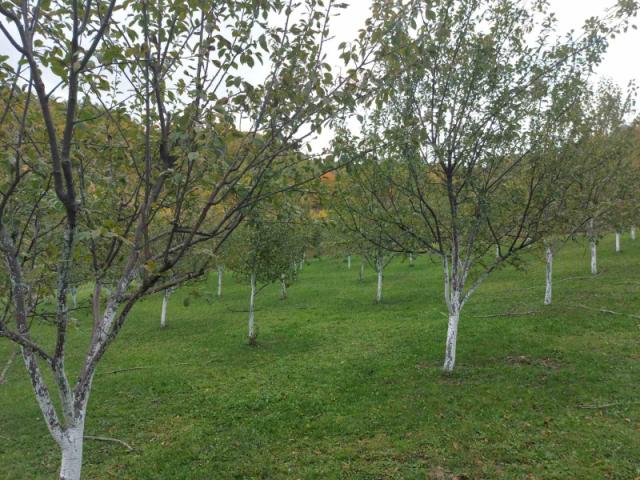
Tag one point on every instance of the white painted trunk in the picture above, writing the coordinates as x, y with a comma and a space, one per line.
549, 290
163, 315
379, 268
220, 272
71, 447
633, 232
349, 262
252, 301
452, 339
497, 251
618, 246
411, 259
594, 257
283, 287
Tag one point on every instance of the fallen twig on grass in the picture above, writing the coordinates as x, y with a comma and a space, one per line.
5, 370
604, 405
145, 367
124, 370
109, 439
509, 314
603, 310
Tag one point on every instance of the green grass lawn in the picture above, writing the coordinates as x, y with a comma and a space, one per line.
340, 387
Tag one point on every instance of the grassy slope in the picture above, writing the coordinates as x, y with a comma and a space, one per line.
343, 388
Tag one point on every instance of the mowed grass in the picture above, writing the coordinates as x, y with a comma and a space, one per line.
342, 388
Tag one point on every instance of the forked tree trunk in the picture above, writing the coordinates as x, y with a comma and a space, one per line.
349, 262
618, 239
165, 302
633, 232
283, 287
379, 270
252, 300
220, 272
361, 278
549, 290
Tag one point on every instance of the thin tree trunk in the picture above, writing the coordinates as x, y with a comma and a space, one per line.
349, 262
452, 334
5, 370
165, 302
379, 269
283, 287
252, 300
74, 297
594, 248
633, 232
220, 272
549, 290
411, 259
618, 246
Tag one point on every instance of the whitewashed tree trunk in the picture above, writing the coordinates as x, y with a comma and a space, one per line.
361, 278
594, 248
379, 269
498, 251
252, 300
549, 290
349, 262
618, 239
74, 297
71, 445
165, 302
283, 287
411, 259
452, 333
220, 272
633, 232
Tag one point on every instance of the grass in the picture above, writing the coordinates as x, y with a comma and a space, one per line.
342, 388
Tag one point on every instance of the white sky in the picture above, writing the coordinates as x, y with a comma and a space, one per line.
620, 64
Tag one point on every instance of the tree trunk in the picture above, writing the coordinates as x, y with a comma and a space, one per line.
220, 272
74, 297
165, 302
71, 448
252, 300
549, 289
633, 232
594, 248
379, 269
283, 287
452, 335
349, 262
618, 246
362, 270
5, 370
411, 259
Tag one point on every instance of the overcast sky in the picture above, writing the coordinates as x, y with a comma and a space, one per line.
621, 63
